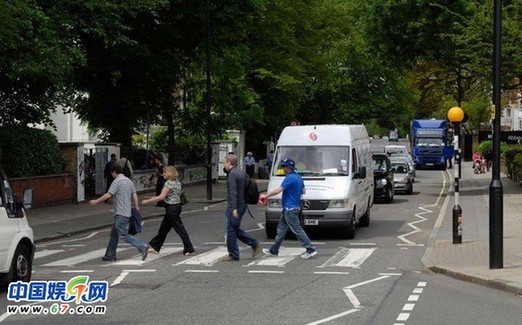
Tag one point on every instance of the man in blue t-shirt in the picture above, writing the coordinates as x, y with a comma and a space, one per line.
292, 188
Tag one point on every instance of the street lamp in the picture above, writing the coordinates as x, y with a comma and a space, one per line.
455, 116
496, 222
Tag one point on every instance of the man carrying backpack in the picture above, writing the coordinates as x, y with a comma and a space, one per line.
236, 207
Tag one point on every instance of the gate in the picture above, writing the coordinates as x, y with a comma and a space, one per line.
94, 166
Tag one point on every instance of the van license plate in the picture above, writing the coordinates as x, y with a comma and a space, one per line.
311, 222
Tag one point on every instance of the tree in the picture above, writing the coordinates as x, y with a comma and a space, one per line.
36, 63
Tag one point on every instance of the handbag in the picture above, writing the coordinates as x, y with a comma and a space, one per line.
184, 198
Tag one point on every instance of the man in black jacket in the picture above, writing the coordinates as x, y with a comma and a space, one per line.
236, 207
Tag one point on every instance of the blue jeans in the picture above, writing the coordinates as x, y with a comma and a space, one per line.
290, 220
234, 232
120, 228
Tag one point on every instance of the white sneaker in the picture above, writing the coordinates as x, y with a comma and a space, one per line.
307, 255
267, 251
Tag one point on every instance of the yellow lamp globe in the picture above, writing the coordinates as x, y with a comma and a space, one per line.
455, 114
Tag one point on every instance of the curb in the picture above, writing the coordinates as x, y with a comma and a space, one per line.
495, 284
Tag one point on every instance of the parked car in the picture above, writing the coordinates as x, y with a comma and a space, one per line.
407, 160
16, 236
402, 176
383, 177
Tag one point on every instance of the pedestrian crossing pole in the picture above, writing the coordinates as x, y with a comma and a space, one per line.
455, 116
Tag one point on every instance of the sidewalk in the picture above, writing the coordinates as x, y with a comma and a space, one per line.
469, 261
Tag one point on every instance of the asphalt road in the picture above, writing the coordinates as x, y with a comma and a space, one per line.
377, 278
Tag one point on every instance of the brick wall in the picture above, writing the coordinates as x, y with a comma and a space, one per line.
47, 190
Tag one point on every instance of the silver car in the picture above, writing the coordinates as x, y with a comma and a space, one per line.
402, 177
407, 160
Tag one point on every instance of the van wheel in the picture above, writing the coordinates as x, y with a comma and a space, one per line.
349, 232
270, 232
21, 266
365, 219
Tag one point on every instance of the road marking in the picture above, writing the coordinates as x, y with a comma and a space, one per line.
77, 239
326, 272
80, 258
333, 317
286, 254
403, 317
415, 228
266, 272
136, 259
74, 245
207, 259
363, 244
409, 306
76, 271
47, 252
201, 271
349, 257
119, 278
413, 298
398, 274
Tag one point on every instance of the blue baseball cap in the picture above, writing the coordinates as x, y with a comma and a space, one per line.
288, 162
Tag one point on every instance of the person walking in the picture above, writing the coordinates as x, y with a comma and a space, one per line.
160, 180
122, 190
292, 188
107, 172
250, 163
236, 207
172, 219
269, 162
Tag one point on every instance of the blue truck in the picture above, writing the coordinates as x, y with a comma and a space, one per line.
430, 145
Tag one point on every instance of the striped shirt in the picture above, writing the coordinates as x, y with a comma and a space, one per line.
122, 189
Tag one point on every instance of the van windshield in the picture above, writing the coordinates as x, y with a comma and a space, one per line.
314, 160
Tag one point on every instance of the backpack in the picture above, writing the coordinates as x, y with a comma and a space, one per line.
251, 191
126, 169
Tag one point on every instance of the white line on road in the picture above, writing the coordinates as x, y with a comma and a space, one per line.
47, 252
349, 257
76, 271
333, 317
267, 272
326, 272
201, 271
119, 278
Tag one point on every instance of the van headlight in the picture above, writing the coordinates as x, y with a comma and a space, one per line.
338, 204
403, 180
275, 203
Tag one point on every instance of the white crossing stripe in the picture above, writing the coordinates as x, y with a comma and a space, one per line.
349, 257
286, 254
47, 252
136, 259
96, 254
207, 259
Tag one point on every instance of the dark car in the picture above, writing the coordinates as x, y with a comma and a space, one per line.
383, 177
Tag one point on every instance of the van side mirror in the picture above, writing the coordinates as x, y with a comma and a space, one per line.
27, 199
361, 173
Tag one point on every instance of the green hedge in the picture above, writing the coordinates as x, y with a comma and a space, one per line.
30, 152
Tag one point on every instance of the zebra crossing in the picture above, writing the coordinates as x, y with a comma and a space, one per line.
344, 257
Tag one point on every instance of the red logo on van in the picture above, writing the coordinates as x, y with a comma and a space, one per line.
313, 136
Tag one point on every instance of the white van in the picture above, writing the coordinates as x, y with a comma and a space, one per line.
16, 236
335, 162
